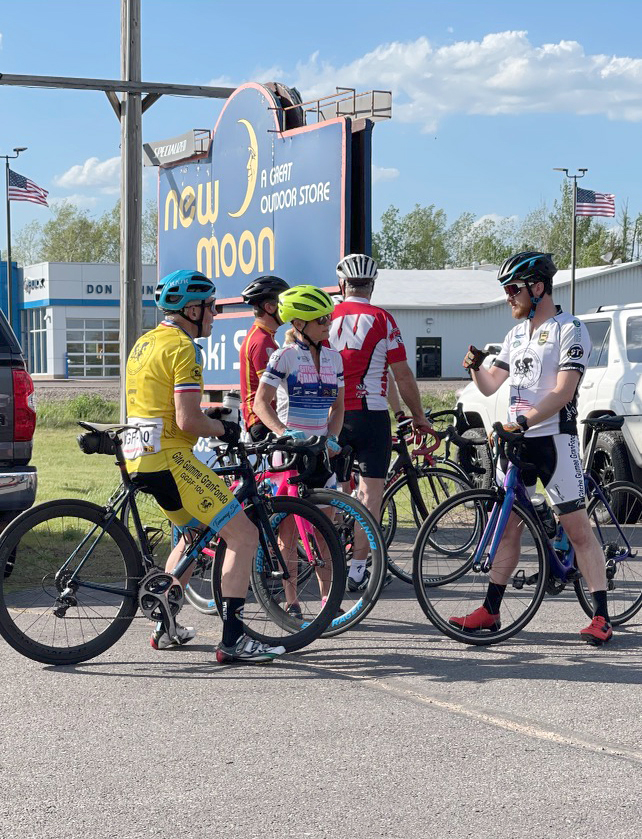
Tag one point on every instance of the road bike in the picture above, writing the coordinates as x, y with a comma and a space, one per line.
417, 483
292, 478
459, 545
73, 577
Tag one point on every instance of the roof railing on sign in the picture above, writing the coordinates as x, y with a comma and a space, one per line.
346, 102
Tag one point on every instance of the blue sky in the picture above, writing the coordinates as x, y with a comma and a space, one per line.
487, 97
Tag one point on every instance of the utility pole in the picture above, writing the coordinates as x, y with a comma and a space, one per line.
7, 158
131, 189
574, 178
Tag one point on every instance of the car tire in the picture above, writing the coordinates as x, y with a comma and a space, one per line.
611, 461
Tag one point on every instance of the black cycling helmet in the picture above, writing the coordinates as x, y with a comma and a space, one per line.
528, 265
263, 288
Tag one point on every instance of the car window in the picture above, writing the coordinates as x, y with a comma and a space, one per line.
599, 333
8, 340
634, 339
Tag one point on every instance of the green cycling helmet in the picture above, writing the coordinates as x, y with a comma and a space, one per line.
305, 302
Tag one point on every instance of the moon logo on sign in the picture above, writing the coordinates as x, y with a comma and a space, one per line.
252, 169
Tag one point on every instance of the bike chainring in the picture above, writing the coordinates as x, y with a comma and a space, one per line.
160, 596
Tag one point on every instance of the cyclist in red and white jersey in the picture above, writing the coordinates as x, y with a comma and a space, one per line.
370, 344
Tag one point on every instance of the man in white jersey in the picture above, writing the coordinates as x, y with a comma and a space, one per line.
544, 357
370, 344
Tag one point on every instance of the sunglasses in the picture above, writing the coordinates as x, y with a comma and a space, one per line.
211, 306
323, 319
513, 289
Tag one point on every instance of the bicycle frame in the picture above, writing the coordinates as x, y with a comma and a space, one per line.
562, 563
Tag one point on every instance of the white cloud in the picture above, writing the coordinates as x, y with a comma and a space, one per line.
380, 173
94, 173
503, 73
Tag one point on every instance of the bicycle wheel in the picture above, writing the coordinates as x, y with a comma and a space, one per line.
50, 543
401, 513
451, 585
301, 531
623, 567
350, 514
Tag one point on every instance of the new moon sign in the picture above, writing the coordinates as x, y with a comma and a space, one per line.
262, 201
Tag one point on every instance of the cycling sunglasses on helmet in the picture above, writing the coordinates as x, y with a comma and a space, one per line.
323, 319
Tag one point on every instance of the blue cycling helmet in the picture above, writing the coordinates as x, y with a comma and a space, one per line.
180, 288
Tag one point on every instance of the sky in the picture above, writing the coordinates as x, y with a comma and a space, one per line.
488, 97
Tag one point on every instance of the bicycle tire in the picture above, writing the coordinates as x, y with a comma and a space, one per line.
28, 589
458, 588
265, 618
355, 605
401, 517
624, 577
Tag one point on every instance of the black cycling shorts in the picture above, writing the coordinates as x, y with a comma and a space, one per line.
370, 435
555, 460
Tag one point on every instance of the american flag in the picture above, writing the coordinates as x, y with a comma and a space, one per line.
591, 203
22, 189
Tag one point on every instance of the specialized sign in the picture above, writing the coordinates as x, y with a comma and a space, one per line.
187, 145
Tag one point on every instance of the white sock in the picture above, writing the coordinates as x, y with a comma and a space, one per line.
357, 570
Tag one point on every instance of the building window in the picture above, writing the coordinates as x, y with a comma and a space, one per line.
34, 329
152, 316
93, 348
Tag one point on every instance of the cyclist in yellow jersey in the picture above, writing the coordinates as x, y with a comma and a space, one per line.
164, 388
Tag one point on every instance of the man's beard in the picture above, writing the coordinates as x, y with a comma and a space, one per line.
521, 310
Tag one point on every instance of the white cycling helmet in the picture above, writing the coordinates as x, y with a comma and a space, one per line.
357, 269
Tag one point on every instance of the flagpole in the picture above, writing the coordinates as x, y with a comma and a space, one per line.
574, 178
7, 158
9, 271
573, 240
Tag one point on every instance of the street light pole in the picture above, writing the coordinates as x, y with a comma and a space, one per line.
7, 158
574, 178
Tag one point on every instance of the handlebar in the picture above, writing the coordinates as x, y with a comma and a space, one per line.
510, 444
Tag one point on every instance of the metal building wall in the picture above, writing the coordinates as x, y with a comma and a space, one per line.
460, 327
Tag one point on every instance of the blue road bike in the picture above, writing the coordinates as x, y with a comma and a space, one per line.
459, 549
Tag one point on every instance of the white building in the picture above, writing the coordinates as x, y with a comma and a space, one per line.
440, 313
70, 313
70, 318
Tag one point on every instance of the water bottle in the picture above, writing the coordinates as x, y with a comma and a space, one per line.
545, 515
561, 542
232, 400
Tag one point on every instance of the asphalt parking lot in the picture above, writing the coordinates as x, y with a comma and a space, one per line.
387, 731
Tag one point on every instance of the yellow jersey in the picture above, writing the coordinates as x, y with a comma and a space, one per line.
163, 362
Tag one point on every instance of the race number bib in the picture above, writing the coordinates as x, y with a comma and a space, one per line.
146, 439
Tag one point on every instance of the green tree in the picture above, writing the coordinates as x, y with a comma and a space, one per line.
72, 235
424, 238
25, 247
387, 244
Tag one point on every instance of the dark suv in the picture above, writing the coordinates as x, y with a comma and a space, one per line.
18, 480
